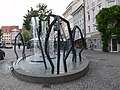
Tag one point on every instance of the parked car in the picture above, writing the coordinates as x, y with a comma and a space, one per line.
1, 46
8, 46
2, 54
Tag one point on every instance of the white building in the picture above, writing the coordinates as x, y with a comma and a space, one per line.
83, 13
92, 7
67, 15
78, 17
14, 33
75, 15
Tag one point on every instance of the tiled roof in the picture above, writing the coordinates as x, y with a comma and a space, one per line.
9, 28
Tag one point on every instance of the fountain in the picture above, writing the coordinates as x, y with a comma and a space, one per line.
49, 64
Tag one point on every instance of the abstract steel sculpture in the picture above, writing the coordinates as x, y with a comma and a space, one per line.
61, 55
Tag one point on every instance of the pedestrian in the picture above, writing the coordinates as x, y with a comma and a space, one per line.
91, 45
19, 44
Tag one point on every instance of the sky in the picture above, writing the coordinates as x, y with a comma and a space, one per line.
12, 11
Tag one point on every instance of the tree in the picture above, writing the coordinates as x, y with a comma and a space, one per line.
27, 18
108, 24
43, 12
27, 36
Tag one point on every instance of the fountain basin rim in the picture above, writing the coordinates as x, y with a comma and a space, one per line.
53, 78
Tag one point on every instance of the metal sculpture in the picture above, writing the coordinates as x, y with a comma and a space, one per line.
19, 35
38, 34
65, 53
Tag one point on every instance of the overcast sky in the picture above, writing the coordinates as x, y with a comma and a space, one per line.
12, 11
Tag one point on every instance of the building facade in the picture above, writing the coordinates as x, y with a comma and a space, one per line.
78, 16
83, 13
92, 7
14, 33
67, 15
8, 35
78, 19
75, 15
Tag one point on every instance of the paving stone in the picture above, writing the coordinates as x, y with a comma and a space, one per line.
102, 75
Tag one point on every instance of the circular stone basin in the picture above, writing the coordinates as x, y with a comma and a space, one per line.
32, 70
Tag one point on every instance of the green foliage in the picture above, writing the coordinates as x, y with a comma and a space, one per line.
118, 34
108, 23
27, 35
43, 12
27, 18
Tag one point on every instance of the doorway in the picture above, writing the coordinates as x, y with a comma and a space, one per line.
114, 46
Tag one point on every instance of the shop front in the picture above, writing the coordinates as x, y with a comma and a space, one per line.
95, 39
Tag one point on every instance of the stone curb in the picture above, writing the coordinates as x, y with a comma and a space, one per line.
53, 78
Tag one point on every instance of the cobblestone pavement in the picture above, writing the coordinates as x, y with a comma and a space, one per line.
104, 74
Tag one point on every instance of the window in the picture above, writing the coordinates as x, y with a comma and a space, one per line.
110, 3
99, 7
88, 16
88, 28
93, 14
94, 27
